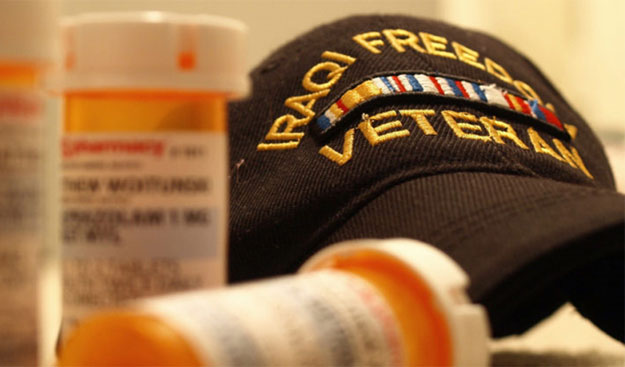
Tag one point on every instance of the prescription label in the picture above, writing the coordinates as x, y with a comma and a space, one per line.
21, 171
324, 318
142, 214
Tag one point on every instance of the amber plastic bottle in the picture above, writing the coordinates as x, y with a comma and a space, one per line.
366, 302
26, 53
144, 154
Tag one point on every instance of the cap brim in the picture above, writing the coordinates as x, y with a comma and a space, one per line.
528, 244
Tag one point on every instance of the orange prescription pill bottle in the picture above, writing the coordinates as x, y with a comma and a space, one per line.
144, 154
25, 53
391, 302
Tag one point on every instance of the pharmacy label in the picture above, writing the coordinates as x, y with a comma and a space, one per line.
142, 214
323, 318
21, 171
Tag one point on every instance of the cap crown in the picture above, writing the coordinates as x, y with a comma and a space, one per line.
291, 182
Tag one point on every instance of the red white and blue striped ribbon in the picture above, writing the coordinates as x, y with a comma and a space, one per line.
423, 83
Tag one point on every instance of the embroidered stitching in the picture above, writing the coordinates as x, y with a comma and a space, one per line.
423, 83
571, 157
419, 116
375, 135
460, 127
541, 146
499, 130
348, 147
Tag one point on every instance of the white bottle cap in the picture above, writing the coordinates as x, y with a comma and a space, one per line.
154, 50
467, 322
27, 29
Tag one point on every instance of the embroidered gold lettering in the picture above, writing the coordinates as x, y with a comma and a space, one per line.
419, 116
277, 146
571, 157
336, 56
497, 70
281, 130
369, 41
340, 158
467, 55
541, 146
335, 71
461, 128
385, 126
401, 39
282, 127
304, 104
498, 130
398, 38
290, 122
436, 45
375, 135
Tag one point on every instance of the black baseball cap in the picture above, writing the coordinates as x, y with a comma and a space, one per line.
394, 126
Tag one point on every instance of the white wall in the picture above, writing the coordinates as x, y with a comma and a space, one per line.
579, 45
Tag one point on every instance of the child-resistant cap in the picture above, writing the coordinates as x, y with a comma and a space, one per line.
154, 50
466, 323
26, 29
394, 126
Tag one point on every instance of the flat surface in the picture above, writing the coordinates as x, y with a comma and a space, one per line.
564, 339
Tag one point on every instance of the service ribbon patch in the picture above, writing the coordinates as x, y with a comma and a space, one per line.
398, 84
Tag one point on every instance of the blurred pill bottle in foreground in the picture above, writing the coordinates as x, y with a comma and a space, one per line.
144, 154
26, 52
360, 303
